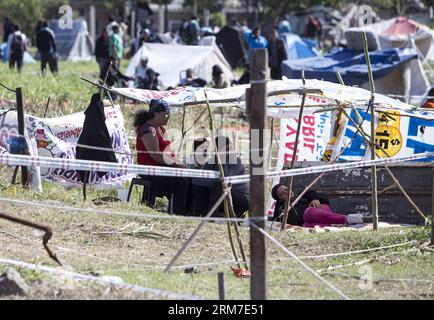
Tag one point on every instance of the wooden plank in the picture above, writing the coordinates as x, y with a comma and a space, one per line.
258, 166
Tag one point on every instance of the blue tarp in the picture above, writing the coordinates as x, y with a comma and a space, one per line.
298, 48
350, 64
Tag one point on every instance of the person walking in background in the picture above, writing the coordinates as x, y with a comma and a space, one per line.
115, 45
17, 45
254, 41
8, 28
102, 52
47, 48
276, 54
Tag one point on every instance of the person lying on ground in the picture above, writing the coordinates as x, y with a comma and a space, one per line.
153, 148
232, 166
311, 210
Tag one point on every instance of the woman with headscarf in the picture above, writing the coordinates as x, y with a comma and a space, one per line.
153, 149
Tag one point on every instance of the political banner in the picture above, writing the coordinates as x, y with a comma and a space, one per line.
57, 138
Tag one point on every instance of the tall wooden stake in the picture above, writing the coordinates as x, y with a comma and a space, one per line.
432, 209
257, 115
21, 128
372, 147
294, 156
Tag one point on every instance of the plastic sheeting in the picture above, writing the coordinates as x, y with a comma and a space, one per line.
350, 64
170, 60
73, 44
298, 48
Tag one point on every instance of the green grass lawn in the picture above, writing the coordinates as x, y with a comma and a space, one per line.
97, 244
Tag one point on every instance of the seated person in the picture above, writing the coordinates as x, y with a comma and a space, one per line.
232, 166
153, 148
200, 153
310, 211
190, 81
145, 77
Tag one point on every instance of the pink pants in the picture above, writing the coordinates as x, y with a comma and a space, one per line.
323, 217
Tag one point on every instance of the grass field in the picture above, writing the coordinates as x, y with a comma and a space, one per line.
111, 245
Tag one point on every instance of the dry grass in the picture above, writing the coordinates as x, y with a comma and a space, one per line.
93, 243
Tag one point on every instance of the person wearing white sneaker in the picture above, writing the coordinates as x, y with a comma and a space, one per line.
314, 208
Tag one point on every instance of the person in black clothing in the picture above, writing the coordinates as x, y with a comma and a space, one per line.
114, 75
17, 48
232, 166
311, 210
47, 48
276, 54
8, 28
102, 52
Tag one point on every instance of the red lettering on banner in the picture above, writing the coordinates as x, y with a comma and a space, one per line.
290, 131
309, 120
308, 131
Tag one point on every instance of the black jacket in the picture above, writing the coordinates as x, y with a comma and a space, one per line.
95, 133
295, 216
101, 48
45, 41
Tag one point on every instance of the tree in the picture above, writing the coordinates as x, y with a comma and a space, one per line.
25, 13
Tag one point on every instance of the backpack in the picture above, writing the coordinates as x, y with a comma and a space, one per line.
193, 31
17, 44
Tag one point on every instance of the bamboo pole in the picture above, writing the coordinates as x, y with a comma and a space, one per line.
195, 232
294, 155
372, 147
392, 176
228, 199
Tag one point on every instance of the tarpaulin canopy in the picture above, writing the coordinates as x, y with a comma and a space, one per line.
169, 60
350, 64
298, 48
284, 97
398, 32
230, 40
74, 44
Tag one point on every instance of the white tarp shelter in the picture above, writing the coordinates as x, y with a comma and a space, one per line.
169, 60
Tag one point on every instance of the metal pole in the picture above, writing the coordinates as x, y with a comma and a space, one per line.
21, 128
257, 115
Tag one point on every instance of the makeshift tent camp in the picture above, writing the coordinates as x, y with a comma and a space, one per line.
169, 60
395, 71
399, 32
74, 44
298, 48
230, 41
4, 54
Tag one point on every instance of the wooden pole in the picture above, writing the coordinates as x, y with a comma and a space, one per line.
195, 232
221, 279
34, 224
257, 115
432, 209
21, 128
294, 156
372, 147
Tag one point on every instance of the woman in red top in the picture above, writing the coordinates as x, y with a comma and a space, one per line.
153, 148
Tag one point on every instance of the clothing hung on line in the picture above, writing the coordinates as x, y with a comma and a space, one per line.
95, 133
